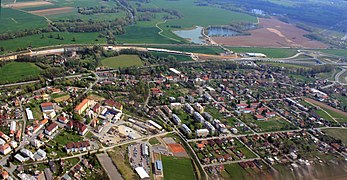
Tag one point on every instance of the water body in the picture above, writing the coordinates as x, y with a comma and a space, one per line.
221, 32
193, 35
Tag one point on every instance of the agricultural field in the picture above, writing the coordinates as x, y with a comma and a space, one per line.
337, 52
15, 20
338, 134
269, 52
18, 71
273, 33
338, 115
122, 61
177, 168
50, 39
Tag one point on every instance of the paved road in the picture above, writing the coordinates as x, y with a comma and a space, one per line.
107, 163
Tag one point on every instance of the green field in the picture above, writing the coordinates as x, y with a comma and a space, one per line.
270, 52
15, 20
122, 61
166, 55
338, 134
177, 168
337, 52
18, 71
37, 40
193, 49
66, 137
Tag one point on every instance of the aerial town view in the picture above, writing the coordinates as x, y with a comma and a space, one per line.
173, 89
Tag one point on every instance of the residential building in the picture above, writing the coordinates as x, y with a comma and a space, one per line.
48, 110
51, 129
186, 129
202, 132
77, 126
77, 146
81, 107
176, 119
5, 149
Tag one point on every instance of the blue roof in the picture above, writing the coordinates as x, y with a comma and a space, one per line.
159, 165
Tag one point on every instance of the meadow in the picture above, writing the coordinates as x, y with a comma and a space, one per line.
338, 134
122, 61
177, 168
18, 71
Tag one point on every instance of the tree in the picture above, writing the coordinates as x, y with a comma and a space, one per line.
73, 39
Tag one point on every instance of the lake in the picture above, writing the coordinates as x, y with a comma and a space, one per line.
221, 32
193, 35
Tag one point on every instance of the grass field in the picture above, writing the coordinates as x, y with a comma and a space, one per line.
337, 52
119, 157
178, 57
193, 49
177, 168
270, 52
15, 20
18, 71
338, 134
122, 61
37, 40
66, 137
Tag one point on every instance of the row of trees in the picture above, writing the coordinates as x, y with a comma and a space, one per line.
97, 10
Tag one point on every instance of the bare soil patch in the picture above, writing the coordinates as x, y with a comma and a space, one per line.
325, 106
273, 33
52, 11
28, 4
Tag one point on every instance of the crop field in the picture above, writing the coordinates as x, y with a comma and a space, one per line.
52, 11
37, 40
18, 71
122, 61
273, 33
339, 115
269, 52
177, 168
15, 20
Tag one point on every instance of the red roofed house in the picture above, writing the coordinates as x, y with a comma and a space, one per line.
77, 146
51, 128
111, 103
270, 114
259, 117
63, 119
5, 149
80, 108
78, 126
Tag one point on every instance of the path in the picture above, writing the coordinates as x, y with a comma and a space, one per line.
161, 30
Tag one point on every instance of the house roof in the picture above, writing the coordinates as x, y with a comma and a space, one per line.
48, 104
79, 106
51, 126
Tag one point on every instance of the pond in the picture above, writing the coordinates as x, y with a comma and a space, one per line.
221, 32
193, 35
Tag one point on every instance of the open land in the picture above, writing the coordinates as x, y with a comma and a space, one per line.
122, 61
18, 71
274, 33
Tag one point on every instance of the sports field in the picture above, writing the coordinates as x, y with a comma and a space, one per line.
18, 71
177, 168
122, 61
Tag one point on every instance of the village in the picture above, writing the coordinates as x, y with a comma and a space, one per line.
246, 117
